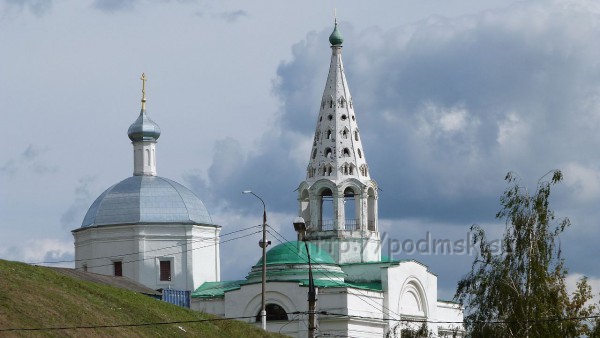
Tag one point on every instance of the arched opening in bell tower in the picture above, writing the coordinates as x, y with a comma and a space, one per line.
326, 219
351, 209
305, 206
371, 203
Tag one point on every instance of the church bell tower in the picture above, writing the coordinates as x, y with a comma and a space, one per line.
338, 199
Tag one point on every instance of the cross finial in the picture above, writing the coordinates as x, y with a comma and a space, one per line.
144, 79
335, 16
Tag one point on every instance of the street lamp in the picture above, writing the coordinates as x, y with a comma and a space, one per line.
263, 244
300, 227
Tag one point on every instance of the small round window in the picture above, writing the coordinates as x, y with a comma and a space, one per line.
330, 117
353, 119
344, 117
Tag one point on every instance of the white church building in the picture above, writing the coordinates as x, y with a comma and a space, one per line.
148, 228
360, 293
157, 232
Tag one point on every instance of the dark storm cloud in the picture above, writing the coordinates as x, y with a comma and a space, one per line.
113, 5
446, 107
31, 159
233, 16
37, 7
73, 216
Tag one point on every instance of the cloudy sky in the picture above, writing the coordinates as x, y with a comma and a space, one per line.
450, 95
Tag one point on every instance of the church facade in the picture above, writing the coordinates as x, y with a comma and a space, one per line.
360, 292
149, 228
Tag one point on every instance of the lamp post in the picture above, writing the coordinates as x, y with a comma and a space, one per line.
263, 244
300, 227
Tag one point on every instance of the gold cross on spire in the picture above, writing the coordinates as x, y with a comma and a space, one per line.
144, 79
335, 15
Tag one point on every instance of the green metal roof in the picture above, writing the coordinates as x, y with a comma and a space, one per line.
295, 253
216, 289
321, 283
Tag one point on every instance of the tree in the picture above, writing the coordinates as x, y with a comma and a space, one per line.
516, 287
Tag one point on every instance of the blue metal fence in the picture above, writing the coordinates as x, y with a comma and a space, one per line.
178, 297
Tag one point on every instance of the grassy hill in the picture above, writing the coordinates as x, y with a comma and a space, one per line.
34, 297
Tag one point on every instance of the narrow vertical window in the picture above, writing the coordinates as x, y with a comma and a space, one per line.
118, 268
356, 135
139, 159
165, 270
359, 153
148, 157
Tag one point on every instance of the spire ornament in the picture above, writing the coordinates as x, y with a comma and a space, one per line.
336, 38
144, 79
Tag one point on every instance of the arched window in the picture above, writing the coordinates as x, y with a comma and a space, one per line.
328, 152
330, 103
363, 170
351, 209
345, 133
371, 209
139, 159
305, 206
346, 152
314, 154
326, 211
328, 134
274, 312
328, 170
342, 102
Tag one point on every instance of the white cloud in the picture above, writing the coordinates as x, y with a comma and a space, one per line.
593, 281
583, 181
512, 131
41, 251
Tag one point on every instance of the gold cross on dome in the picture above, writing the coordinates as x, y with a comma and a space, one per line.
144, 79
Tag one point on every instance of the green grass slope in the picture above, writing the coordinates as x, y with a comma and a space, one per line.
37, 297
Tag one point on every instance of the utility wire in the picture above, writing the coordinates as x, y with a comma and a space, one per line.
145, 251
414, 320
188, 250
121, 325
323, 313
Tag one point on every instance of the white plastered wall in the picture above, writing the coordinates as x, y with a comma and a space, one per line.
192, 249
